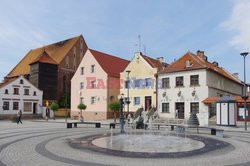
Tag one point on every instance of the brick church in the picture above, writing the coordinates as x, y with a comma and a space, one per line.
50, 68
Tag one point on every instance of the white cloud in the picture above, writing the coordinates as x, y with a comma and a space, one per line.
239, 24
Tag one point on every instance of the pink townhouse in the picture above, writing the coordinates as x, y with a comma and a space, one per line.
96, 83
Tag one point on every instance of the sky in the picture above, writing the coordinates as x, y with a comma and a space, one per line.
167, 28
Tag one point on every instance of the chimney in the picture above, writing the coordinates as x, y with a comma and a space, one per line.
201, 54
161, 59
215, 63
236, 75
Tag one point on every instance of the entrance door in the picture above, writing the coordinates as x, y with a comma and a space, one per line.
148, 102
34, 108
179, 107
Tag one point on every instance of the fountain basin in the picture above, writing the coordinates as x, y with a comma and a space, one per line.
148, 145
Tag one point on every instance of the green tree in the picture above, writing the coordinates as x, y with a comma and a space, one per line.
65, 100
54, 107
81, 107
114, 106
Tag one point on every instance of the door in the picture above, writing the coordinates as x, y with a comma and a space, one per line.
148, 102
179, 107
34, 108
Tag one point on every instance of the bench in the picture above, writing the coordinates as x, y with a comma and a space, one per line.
69, 124
181, 128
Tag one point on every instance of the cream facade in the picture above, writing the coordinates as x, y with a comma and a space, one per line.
20, 94
142, 83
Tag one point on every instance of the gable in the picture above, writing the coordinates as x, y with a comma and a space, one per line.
56, 51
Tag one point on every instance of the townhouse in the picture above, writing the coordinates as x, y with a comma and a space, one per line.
96, 83
188, 81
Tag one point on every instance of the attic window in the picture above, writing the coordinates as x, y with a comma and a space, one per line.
188, 64
21, 81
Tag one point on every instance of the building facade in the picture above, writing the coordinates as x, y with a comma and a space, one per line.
19, 94
188, 81
67, 56
96, 83
140, 78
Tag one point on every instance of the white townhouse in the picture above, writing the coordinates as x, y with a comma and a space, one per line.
18, 93
188, 82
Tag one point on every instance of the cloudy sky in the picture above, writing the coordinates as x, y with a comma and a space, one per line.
167, 28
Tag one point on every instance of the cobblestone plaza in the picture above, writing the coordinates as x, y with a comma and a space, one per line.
44, 143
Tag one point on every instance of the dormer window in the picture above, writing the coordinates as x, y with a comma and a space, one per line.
21, 81
6, 91
188, 64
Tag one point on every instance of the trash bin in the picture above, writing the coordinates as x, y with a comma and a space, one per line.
69, 125
98, 125
112, 125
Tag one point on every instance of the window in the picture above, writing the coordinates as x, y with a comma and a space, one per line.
93, 84
81, 100
82, 70
21, 81
136, 100
27, 106
137, 83
67, 62
165, 82
165, 107
127, 84
16, 91
15, 105
92, 68
81, 85
194, 80
6, 105
93, 100
34, 93
179, 81
195, 107
6, 91
26, 91
148, 82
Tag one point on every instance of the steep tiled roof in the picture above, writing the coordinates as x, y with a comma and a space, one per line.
196, 62
44, 58
110, 64
56, 51
155, 63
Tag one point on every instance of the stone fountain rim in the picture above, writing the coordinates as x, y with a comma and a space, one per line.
211, 144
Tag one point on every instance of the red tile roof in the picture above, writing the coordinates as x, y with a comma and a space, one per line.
44, 58
214, 99
197, 62
112, 65
155, 63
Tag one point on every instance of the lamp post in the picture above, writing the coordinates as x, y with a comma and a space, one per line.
244, 96
128, 86
121, 105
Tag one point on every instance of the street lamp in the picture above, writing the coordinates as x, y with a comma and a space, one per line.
244, 96
121, 105
128, 85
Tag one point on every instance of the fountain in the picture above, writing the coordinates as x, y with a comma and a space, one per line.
147, 143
